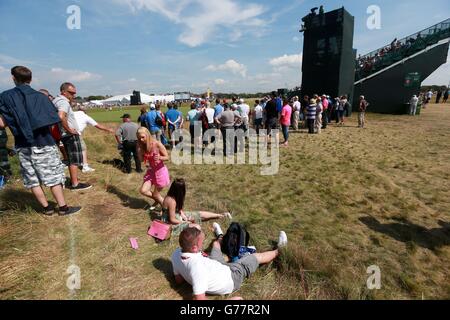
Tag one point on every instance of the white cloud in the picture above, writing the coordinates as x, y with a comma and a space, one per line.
220, 81
231, 66
5, 77
287, 62
201, 18
4, 59
59, 74
296, 39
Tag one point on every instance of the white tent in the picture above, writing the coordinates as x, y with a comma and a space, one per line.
94, 103
123, 100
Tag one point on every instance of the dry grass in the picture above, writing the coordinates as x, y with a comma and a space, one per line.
347, 199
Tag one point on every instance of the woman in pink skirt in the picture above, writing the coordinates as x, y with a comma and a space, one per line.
153, 154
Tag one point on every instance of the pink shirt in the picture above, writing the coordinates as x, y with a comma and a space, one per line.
286, 113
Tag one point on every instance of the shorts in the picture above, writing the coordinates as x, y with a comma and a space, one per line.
83, 144
41, 166
177, 229
240, 270
73, 147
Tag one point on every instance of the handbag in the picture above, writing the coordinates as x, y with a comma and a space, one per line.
160, 230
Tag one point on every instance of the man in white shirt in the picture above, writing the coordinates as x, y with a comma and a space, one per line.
83, 120
297, 108
244, 110
258, 113
413, 105
212, 275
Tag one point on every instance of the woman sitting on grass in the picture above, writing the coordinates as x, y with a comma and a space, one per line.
174, 214
153, 154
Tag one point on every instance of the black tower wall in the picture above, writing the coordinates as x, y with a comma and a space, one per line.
328, 54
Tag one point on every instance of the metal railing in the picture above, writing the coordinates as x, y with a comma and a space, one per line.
400, 49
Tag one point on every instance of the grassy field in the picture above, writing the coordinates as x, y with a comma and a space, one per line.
348, 199
104, 115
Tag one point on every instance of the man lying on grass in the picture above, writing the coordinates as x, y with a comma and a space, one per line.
212, 275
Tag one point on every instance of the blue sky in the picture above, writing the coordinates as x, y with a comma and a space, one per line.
162, 46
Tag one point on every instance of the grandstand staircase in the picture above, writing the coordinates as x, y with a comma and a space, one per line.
381, 77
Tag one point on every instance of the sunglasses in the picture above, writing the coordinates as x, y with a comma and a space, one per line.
71, 92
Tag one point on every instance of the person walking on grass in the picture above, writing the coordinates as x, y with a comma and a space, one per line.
363, 104
213, 275
127, 140
30, 114
285, 120
83, 120
70, 136
174, 214
446, 95
153, 153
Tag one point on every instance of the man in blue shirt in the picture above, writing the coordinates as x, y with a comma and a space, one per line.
174, 119
279, 102
29, 114
154, 128
218, 109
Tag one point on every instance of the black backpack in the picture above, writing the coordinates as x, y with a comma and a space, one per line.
235, 237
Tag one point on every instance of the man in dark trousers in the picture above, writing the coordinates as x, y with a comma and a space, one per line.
438, 96
29, 114
126, 136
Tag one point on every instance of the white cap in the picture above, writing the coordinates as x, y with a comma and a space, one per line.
152, 106
241, 101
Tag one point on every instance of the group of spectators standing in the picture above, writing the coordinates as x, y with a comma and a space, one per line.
43, 126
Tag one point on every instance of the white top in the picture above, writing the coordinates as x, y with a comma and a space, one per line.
83, 120
297, 106
204, 274
258, 112
244, 109
63, 104
210, 114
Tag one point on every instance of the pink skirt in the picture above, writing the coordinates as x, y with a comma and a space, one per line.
159, 178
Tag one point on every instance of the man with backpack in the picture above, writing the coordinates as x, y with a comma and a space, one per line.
212, 275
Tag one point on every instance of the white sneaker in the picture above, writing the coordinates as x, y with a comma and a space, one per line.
217, 230
87, 169
282, 240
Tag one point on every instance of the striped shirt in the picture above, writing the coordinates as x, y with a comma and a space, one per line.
311, 112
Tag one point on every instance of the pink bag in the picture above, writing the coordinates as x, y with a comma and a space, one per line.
160, 230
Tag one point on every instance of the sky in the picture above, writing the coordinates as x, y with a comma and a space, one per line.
166, 46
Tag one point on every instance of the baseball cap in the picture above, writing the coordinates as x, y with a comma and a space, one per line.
152, 106
125, 116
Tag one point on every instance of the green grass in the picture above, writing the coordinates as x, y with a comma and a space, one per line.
104, 115
347, 198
